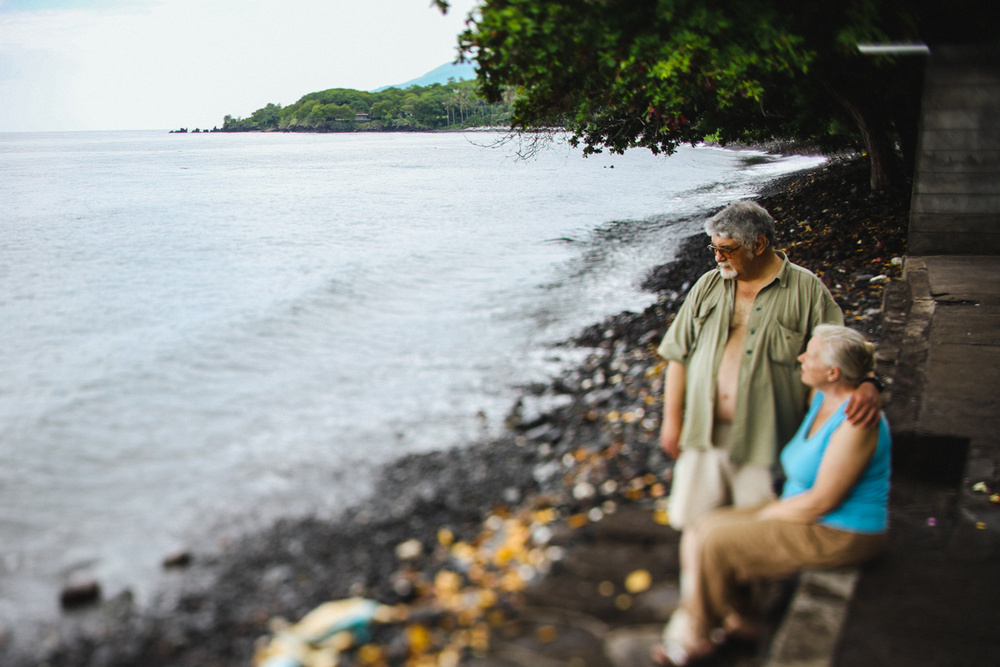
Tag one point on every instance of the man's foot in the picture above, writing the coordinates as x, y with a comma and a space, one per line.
739, 628
675, 654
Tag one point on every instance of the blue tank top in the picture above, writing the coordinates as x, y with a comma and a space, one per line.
866, 507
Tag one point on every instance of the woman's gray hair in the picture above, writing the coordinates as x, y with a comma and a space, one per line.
742, 221
847, 350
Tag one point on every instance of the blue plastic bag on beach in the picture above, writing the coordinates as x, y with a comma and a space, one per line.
319, 637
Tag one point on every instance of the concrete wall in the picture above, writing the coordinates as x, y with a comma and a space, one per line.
956, 189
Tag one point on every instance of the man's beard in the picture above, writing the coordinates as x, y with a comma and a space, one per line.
727, 270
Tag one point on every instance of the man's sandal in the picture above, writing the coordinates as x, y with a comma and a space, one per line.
672, 654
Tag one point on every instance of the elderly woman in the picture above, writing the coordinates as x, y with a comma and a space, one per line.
833, 510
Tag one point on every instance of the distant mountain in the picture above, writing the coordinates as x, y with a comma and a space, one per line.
438, 75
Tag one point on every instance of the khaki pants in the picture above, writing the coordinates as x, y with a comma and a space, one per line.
732, 548
706, 480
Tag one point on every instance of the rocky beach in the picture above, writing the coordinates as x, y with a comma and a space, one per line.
453, 545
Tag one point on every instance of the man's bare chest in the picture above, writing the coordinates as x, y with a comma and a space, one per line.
742, 307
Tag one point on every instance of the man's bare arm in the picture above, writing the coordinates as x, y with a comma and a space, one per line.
674, 383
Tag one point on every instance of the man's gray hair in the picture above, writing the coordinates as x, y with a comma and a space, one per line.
742, 221
847, 350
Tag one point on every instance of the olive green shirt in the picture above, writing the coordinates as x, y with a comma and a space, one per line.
771, 399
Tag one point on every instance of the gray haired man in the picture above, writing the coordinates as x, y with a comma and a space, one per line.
732, 393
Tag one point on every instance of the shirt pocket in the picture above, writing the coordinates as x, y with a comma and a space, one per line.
784, 344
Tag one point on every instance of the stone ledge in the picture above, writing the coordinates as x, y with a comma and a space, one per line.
808, 635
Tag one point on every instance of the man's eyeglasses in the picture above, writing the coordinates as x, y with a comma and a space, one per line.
725, 252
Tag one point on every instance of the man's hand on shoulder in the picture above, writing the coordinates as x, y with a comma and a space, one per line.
865, 406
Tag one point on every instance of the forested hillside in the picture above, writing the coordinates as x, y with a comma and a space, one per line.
451, 105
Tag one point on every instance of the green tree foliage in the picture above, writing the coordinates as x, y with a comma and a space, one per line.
437, 106
268, 117
385, 109
658, 73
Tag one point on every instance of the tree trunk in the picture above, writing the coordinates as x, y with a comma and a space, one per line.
885, 168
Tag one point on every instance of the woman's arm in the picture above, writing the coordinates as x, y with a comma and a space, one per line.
849, 452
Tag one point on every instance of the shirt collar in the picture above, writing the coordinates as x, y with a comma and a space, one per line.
783, 272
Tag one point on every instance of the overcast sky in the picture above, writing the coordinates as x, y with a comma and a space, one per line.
165, 64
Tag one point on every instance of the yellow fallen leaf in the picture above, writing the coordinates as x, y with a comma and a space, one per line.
447, 582
486, 598
479, 638
546, 634
464, 552
450, 657
511, 582
545, 516
418, 638
369, 654
638, 581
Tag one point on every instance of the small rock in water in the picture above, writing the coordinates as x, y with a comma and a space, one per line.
177, 559
79, 594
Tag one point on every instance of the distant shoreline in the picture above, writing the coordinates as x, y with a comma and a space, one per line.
406, 130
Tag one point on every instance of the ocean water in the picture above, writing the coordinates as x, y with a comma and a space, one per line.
201, 333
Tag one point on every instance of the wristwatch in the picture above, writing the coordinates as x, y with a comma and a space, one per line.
875, 381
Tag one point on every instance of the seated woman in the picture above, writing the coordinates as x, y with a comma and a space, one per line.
833, 510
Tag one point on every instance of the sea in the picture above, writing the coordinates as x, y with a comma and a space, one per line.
204, 333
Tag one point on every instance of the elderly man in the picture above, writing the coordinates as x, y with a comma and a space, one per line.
732, 394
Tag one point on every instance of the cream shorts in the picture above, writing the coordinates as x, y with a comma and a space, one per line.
705, 480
